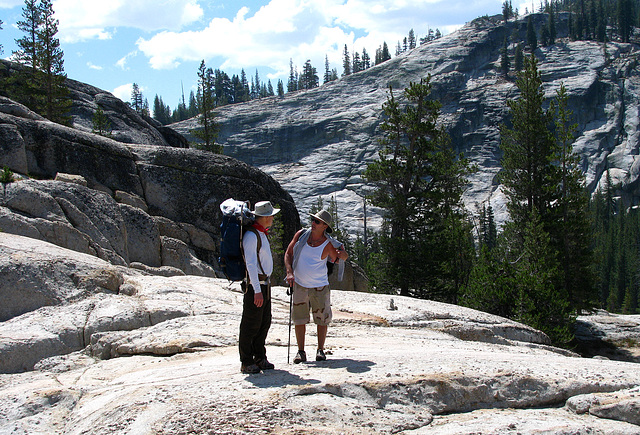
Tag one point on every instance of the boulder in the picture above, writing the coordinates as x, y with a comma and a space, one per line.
130, 199
142, 236
609, 335
38, 274
70, 178
621, 405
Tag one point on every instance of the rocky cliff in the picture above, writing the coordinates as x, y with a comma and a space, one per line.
108, 349
318, 142
154, 206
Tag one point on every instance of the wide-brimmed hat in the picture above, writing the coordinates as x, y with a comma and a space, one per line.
264, 208
325, 217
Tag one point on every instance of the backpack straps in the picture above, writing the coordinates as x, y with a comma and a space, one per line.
255, 231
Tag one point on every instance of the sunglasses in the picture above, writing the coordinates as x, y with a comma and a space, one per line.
316, 221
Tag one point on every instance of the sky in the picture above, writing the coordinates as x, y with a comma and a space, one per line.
159, 44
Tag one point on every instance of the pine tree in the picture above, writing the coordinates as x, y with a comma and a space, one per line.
505, 63
507, 11
309, 78
543, 187
553, 33
292, 83
541, 304
193, 105
544, 36
27, 52
26, 87
245, 91
527, 148
419, 182
532, 39
327, 70
385, 56
571, 228
280, 88
625, 20
137, 99
398, 49
601, 26
205, 98
161, 112
412, 39
56, 102
519, 58
366, 60
346, 62
100, 123
357, 67
488, 235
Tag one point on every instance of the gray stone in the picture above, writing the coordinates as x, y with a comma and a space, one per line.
37, 274
171, 229
131, 199
166, 271
128, 289
177, 254
199, 238
623, 405
142, 236
12, 149
70, 178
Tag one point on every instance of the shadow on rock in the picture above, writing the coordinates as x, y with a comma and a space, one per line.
278, 378
352, 365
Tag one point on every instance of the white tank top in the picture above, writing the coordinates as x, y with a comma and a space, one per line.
311, 269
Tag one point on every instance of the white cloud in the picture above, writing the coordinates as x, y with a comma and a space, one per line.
307, 29
276, 32
123, 92
122, 63
88, 19
95, 67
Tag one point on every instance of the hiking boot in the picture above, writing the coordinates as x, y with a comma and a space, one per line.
301, 356
264, 364
320, 356
250, 369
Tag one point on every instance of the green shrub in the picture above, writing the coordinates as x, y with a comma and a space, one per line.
6, 176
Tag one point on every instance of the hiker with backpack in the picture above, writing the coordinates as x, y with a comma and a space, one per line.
256, 309
306, 263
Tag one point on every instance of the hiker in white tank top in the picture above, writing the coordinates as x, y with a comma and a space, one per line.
306, 263
311, 270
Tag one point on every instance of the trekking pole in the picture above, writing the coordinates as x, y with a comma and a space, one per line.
290, 293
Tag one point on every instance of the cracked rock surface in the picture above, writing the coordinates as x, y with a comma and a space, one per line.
163, 359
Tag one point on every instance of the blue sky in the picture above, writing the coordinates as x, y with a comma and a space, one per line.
159, 44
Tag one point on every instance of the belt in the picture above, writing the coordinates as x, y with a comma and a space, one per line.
263, 279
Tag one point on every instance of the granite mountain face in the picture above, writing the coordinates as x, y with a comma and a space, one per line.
318, 142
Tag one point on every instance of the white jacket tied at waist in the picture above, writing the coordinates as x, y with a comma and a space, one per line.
302, 240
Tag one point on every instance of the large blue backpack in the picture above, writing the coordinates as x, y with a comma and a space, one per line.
236, 220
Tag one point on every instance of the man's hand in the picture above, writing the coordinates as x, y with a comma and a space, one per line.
290, 279
258, 299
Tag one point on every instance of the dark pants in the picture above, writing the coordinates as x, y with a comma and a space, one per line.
254, 325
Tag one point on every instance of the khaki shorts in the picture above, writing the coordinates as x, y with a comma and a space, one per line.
318, 300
